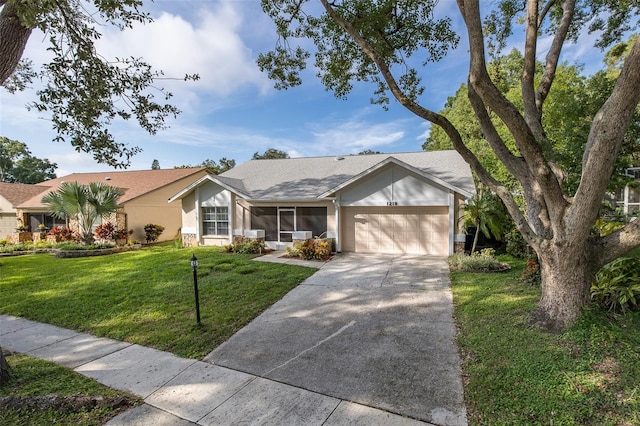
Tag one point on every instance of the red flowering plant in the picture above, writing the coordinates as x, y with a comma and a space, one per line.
105, 231
62, 233
531, 272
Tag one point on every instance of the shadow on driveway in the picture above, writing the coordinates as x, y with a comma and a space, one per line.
371, 329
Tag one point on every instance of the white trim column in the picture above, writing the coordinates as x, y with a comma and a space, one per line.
198, 223
452, 221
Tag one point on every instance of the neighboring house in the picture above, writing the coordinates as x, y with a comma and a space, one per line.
380, 203
628, 198
11, 196
144, 200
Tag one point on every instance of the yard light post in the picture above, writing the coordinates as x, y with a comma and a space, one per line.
194, 266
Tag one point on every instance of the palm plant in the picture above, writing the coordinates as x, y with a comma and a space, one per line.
484, 212
84, 203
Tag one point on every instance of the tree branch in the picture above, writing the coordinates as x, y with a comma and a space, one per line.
532, 114
545, 10
547, 190
619, 243
553, 56
14, 37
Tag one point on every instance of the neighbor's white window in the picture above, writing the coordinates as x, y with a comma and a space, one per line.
215, 220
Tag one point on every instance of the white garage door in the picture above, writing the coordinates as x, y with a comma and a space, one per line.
415, 230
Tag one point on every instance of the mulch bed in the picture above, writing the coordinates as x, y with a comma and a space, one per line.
65, 404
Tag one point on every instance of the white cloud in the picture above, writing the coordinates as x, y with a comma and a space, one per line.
425, 134
355, 135
76, 162
210, 46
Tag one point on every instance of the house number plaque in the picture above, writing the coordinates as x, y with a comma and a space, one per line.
392, 203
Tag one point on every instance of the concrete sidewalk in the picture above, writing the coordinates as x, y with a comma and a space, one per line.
179, 391
367, 340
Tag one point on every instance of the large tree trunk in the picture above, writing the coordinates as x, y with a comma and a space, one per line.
566, 274
13, 40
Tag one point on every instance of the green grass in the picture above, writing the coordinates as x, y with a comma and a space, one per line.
33, 377
146, 296
516, 375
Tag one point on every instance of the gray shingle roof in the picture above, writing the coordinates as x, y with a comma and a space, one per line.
302, 178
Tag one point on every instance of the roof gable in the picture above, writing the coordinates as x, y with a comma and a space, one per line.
393, 160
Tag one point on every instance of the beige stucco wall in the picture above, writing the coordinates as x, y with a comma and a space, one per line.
188, 206
154, 208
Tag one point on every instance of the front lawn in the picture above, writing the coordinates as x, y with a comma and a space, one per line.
516, 375
146, 296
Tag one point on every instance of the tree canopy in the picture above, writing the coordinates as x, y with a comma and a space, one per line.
84, 91
214, 167
573, 101
270, 154
17, 165
390, 43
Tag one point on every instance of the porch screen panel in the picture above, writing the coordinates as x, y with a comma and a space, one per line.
265, 218
312, 219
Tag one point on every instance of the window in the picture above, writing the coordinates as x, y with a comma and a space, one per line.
36, 219
215, 220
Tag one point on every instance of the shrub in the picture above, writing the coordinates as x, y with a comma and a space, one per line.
531, 272
71, 245
479, 262
292, 251
153, 232
311, 249
17, 247
516, 245
63, 233
247, 246
3, 242
121, 234
105, 230
617, 285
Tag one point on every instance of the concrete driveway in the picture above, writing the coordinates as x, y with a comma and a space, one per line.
371, 329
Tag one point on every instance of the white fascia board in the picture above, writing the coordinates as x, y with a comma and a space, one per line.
286, 200
186, 191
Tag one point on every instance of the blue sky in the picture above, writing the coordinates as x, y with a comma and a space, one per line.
233, 110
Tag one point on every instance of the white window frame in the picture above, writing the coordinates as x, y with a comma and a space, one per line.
216, 221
